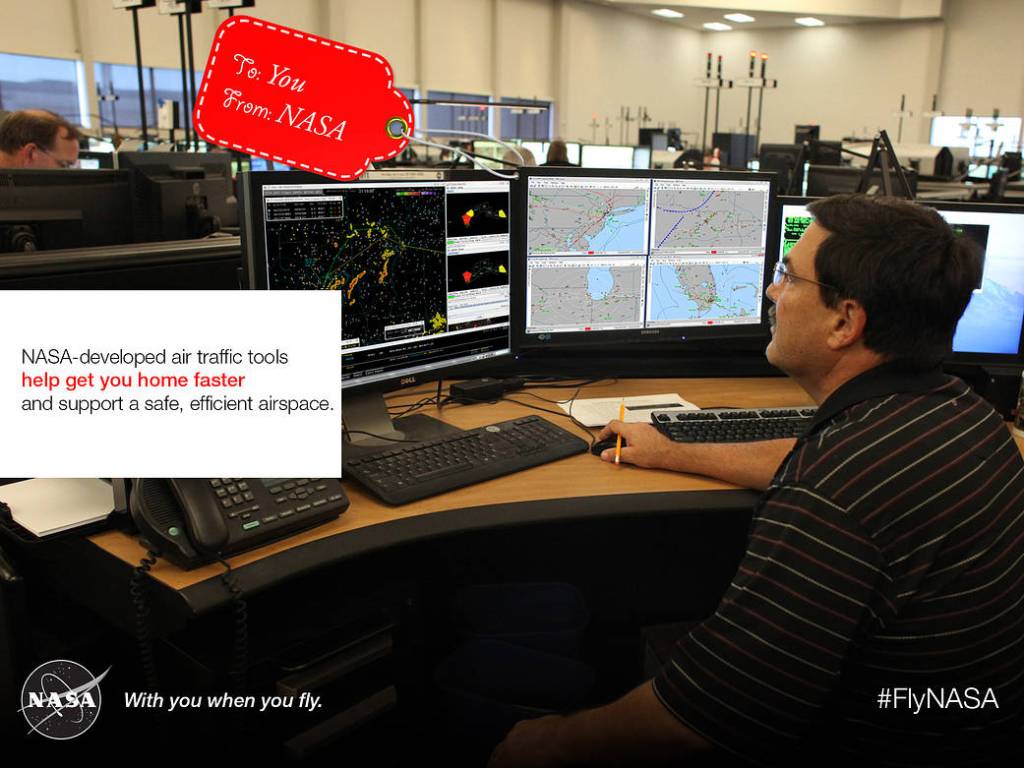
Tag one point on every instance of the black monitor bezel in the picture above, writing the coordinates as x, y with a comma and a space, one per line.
667, 338
256, 277
961, 358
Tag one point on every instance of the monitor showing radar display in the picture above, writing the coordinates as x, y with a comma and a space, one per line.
422, 267
641, 255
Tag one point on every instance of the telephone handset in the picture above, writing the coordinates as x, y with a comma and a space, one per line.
194, 521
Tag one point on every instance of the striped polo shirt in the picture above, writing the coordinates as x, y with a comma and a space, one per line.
878, 614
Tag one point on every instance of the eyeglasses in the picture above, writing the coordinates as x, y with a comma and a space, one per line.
62, 163
784, 276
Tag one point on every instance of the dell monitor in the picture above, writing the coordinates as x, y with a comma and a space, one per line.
991, 331
182, 195
604, 156
422, 268
612, 258
50, 209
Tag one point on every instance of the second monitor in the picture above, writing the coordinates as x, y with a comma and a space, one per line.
625, 256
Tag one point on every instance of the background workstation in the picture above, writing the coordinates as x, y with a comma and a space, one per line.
359, 609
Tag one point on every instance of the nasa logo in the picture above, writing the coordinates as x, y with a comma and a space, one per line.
64, 689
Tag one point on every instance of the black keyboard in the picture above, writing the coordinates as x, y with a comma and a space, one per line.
406, 473
733, 425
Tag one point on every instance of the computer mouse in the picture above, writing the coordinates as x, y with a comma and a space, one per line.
601, 445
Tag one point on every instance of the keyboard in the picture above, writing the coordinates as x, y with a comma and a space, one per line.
733, 425
405, 473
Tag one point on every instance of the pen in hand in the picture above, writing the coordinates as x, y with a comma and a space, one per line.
618, 438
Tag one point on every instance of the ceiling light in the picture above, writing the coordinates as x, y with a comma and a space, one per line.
717, 26
739, 18
667, 13
809, 21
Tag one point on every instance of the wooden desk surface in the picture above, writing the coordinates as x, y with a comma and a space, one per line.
578, 476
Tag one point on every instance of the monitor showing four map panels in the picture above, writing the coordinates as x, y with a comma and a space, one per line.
644, 253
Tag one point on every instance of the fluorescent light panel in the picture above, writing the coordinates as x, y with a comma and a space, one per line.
717, 26
739, 18
809, 21
667, 13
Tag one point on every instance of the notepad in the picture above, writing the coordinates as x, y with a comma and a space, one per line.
46, 506
598, 411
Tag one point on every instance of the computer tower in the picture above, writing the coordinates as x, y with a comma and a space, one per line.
735, 149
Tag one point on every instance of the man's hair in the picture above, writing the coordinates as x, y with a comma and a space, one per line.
904, 264
34, 126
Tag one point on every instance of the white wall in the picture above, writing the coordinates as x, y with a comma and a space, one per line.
593, 59
848, 79
611, 59
983, 66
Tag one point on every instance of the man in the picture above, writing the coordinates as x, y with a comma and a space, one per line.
878, 614
37, 138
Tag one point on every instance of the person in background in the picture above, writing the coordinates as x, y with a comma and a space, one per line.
510, 158
38, 138
558, 155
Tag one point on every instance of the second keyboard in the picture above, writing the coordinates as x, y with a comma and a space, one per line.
733, 425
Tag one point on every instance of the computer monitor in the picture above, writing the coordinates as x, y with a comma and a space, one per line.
641, 158
655, 138
735, 150
806, 132
539, 149
182, 195
423, 268
787, 161
49, 209
618, 257
92, 161
606, 156
825, 180
991, 330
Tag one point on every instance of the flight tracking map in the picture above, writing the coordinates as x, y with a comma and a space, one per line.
689, 292
586, 296
578, 220
687, 219
385, 253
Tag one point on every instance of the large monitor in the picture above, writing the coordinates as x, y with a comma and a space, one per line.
787, 161
606, 156
617, 257
423, 268
49, 209
991, 330
182, 195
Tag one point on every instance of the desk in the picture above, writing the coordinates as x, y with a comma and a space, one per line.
545, 493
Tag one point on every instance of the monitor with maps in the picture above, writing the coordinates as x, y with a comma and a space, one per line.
422, 266
621, 256
991, 330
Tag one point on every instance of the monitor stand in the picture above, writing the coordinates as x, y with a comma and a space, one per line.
368, 413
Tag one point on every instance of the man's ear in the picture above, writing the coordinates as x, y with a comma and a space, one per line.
848, 323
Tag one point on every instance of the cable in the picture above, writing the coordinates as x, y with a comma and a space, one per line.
380, 437
456, 150
240, 644
143, 630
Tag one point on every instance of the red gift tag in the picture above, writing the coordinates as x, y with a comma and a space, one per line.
300, 99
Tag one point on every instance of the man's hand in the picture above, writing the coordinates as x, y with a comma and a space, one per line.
647, 447
530, 744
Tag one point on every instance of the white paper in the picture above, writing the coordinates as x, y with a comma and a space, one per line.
598, 411
48, 505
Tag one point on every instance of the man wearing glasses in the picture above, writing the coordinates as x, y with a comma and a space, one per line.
885, 559
37, 138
